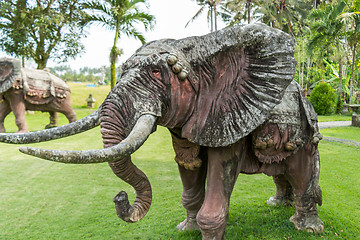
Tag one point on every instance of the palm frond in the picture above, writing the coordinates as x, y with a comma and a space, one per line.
195, 16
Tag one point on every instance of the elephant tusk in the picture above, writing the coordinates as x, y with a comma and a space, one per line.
136, 138
76, 127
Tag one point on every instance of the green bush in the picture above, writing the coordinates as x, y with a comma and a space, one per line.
323, 98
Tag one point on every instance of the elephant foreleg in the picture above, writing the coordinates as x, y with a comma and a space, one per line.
17, 104
4, 111
303, 175
193, 195
54, 116
284, 192
221, 176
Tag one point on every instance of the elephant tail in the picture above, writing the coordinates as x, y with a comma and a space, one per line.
317, 193
76, 127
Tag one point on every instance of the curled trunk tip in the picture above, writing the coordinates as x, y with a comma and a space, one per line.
133, 213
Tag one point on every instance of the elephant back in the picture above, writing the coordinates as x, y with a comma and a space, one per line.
10, 70
292, 124
41, 87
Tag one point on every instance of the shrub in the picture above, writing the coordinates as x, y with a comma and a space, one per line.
323, 98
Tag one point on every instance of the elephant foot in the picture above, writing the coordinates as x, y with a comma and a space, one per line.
309, 223
189, 224
280, 201
23, 131
50, 125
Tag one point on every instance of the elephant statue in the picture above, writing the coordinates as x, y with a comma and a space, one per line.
36, 90
230, 103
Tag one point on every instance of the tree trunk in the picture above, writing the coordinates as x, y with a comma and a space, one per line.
340, 78
41, 63
340, 71
215, 16
351, 82
248, 10
113, 57
307, 72
112, 74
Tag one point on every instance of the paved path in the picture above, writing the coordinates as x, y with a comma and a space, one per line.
334, 124
338, 140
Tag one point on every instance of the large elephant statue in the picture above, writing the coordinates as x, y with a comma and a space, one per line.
231, 106
24, 89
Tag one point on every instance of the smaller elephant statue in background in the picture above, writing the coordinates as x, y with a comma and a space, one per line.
36, 90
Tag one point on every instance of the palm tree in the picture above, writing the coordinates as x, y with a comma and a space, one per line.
120, 16
212, 12
241, 9
351, 17
283, 14
328, 31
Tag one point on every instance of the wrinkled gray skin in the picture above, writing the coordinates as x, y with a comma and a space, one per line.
230, 104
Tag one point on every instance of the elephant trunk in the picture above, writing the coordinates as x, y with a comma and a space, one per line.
129, 173
118, 156
114, 127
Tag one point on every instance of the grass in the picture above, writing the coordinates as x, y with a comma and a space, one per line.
79, 94
335, 117
349, 133
45, 200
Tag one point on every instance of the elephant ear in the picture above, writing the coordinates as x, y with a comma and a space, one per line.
239, 85
10, 70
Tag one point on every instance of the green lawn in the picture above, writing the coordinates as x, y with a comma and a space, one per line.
334, 117
79, 94
45, 200
349, 133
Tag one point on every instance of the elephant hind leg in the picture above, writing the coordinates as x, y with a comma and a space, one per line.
17, 105
284, 192
71, 116
303, 175
4, 111
54, 116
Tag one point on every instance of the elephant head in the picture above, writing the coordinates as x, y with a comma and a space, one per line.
10, 70
214, 90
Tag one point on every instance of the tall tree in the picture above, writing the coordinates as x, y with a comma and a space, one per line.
120, 16
328, 31
41, 29
212, 15
351, 17
284, 14
241, 11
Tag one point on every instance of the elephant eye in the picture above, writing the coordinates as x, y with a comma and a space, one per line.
156, 73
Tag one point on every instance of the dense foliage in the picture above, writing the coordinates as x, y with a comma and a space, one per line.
327, 32
323, 98
41, 30
327, 37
